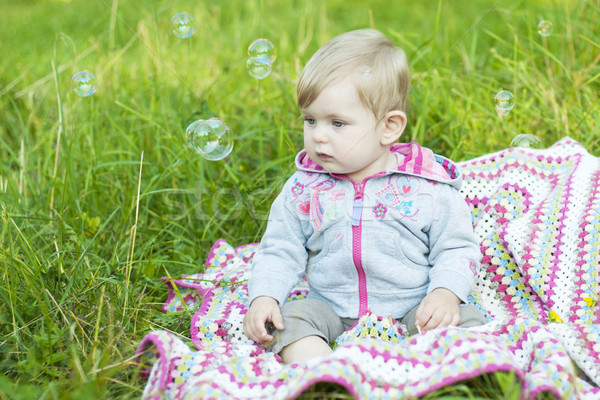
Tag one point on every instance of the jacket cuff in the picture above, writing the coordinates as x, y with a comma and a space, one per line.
460, 285
276, 289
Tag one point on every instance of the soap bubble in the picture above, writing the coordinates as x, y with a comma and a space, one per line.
526, 140
366, 73
264, 49
545, 28
261, 54
84, 83
182, 25
504, 102
212, 139
258, 67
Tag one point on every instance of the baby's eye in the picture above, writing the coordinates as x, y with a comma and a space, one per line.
338, 124
309, 120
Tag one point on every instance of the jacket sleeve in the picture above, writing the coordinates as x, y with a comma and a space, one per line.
280, 261
454, 252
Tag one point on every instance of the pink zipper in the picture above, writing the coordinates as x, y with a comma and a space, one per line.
357, 208
357, 247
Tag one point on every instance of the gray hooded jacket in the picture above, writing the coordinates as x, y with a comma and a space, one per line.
381, 245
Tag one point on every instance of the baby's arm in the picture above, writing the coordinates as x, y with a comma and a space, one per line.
277, 266
261, 310
454, 256
437, 310
454, 252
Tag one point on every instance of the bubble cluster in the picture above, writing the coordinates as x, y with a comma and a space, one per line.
526, 140
84, 83
212, 139
545, 28
261, 55
182, 25
504, 102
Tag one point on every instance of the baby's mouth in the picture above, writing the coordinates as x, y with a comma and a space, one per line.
324, 157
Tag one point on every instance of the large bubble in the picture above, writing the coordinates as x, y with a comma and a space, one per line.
545, 28
505, 102
526, 140
212, 139
182, 25
84, 83
262, 48
258, 67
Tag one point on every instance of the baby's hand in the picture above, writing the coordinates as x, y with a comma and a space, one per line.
437, 310
262, 311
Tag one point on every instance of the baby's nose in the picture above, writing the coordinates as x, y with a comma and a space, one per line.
320, 135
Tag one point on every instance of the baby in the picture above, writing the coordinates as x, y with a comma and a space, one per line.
374, 225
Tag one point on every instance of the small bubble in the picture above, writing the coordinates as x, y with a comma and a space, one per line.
366, 72
182, 25
545, 28
84, 83
263, 48
258, 67
504, 102
526, 140
212, 139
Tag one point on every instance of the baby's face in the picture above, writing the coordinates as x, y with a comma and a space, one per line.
342, 135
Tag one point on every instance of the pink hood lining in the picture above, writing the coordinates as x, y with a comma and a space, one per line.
412, 159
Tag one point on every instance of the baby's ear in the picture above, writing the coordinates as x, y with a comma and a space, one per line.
394, 123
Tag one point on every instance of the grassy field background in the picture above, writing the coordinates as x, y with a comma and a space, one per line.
100, 196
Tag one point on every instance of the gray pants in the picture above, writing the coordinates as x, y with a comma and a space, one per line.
311, 317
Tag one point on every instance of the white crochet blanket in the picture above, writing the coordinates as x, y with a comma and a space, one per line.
537, 215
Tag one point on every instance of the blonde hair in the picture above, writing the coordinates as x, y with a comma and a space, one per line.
378, 69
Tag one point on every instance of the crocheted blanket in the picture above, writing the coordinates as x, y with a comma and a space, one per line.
537, 215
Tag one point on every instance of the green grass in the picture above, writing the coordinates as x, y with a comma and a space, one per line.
99, 196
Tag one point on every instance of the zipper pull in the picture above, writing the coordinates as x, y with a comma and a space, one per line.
358, 204
357, 211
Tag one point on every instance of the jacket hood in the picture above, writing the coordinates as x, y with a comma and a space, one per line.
412, 160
